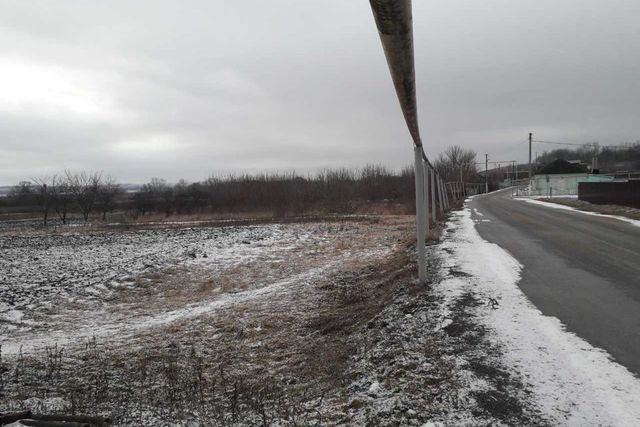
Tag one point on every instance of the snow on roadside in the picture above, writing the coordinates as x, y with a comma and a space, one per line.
570, 208
572, 381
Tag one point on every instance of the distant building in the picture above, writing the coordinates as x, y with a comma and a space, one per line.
563, 184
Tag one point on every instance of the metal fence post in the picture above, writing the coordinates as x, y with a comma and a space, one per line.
421, 215
425, 165
445, 198
440, 196
433, 195
446, 195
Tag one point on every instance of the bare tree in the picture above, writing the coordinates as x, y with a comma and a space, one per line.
61, 196
43, 196
457, 164
84, 188
108, 191
154, 195
181, 197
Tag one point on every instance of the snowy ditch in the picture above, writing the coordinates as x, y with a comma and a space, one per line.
571, 381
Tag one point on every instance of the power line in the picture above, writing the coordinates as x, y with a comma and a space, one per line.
561, 143
583, 144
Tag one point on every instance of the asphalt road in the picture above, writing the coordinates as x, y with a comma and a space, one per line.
582, 269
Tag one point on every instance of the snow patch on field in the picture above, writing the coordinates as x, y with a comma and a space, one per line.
569, 208
123, 330
60, 289
572, 381
40, 272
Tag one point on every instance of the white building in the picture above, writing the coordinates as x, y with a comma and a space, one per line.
562, 184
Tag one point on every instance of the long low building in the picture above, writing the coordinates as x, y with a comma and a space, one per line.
565, 184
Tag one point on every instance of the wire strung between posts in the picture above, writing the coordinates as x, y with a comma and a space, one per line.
395, 28
576, 144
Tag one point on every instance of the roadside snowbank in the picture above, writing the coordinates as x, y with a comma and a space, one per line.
569, 208
573, 382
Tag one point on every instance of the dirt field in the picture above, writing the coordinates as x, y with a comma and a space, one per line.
288, 324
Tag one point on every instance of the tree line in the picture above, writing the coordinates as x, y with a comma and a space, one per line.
342, 190
330, 191
85, 194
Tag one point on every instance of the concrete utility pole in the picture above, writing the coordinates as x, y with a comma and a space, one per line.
530, 168
486, 173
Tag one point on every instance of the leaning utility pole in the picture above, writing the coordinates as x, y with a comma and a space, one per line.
486, 173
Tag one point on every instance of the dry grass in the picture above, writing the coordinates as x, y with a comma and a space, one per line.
250, 364
291, 357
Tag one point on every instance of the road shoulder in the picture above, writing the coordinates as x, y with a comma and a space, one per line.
572, 381
630, 216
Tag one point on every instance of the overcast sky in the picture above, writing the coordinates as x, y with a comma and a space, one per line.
186, 89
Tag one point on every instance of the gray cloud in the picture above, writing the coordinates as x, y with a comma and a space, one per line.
188, 89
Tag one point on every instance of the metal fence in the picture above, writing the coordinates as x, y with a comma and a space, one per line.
395, 27
613, 193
